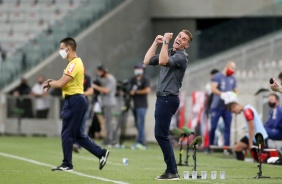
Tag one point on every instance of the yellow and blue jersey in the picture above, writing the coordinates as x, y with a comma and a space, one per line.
75, 69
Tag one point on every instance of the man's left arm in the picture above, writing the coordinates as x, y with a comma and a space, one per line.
279, 118
62, 82
163, 57
235, 90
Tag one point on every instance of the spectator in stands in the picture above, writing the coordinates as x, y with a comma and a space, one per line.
22, 89
273, 126
25, 103
139, 89
108, 91
2, 54
88, 91
42, 104
222, 82
254, 125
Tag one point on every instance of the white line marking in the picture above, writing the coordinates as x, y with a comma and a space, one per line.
48, 165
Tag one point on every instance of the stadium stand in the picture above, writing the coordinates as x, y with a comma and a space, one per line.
31, 29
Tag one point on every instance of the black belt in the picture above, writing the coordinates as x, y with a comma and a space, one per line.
165, 94
68, 96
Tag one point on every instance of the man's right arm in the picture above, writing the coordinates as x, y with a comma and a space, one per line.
249, 116
214, 88
152, 50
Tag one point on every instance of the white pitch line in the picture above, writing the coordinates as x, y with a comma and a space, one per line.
48, 165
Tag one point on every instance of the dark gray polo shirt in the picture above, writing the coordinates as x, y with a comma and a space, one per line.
171, 75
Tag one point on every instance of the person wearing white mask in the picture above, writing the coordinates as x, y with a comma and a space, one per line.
139, 89
75, 106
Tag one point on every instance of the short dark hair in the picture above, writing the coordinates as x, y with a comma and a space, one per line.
189, 34
275, 96
69, 42
280, 75
229, 106
102, 68
214, 71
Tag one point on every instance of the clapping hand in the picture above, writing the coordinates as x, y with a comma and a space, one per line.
274, 85
167, 36
159, 39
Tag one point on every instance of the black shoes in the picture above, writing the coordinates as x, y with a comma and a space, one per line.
62, 168
103, 159
168, 176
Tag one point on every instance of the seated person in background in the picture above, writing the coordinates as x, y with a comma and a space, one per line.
254, 125
273, 126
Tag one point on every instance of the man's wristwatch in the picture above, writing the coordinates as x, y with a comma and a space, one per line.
48, 82
165, 42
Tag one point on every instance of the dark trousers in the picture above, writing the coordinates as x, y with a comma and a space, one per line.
139, 117
42, 113
166, 106
227, 118
274, 133
72, 114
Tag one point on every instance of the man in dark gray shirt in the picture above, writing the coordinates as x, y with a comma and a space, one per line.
173, 64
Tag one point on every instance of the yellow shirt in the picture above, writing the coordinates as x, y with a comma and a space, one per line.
75, 69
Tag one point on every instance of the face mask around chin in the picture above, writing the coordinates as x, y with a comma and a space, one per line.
63, 53
138, 72
271, 104
229, 72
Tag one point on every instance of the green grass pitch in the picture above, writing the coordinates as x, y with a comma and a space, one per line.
143, 167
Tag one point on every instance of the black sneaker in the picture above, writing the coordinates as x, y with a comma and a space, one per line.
168, 176
103, 160
62, 168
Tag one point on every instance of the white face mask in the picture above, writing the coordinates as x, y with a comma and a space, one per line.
63, 53
138, 72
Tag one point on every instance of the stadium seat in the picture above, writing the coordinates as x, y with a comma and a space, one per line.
5, 27
273, 64
46, 2
280, 63
250, 74
16, 17
3, 17
27, 1
244, 74
238, 74
47, 21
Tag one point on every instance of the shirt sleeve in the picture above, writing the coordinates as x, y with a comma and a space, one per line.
146, 83
216, 78
177, 60
268, 122
249, 114
72, 69
154, 60
235, 83
111, 84
36, 90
